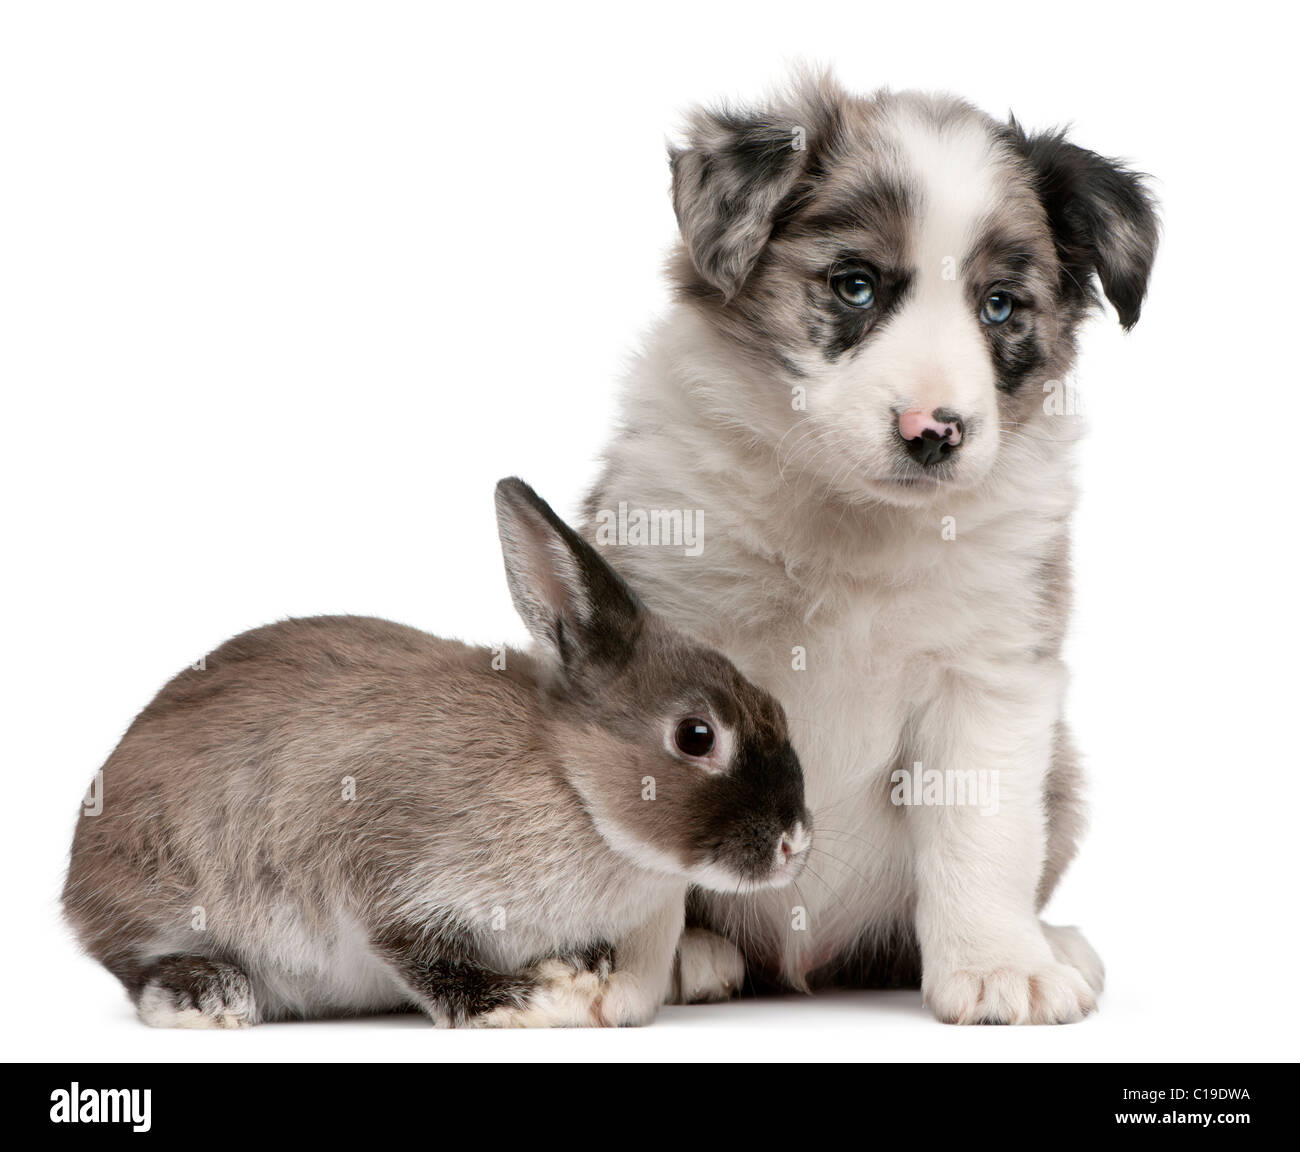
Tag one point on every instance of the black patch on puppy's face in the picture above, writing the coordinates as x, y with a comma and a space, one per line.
866, 226
1017, 260
1016, 354
837, 327
788, 307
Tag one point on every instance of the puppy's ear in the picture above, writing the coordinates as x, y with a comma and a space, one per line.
577, 608
736, 169
1102, 215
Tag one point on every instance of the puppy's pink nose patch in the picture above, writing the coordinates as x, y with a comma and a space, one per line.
913, 425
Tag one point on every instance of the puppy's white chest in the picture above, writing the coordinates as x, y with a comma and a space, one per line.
848, 684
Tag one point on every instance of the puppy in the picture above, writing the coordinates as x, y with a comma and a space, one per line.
861, 402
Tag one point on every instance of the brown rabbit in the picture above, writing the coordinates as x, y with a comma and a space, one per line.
343, 815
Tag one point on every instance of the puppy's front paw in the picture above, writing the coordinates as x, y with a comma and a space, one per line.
1046, 992
626, 1002
1069, 947
709, 968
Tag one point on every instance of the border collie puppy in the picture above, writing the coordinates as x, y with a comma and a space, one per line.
861, 400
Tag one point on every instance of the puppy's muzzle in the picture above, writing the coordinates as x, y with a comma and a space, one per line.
931, 438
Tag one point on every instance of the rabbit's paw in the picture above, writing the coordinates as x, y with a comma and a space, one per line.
560, 996
195, 992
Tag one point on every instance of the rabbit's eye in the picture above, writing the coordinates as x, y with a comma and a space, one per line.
695, 737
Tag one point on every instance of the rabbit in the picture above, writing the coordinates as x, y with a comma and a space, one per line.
341, 815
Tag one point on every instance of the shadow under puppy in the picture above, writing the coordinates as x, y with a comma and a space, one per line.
340, 815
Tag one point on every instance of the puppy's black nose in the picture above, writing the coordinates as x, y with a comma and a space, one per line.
931, 437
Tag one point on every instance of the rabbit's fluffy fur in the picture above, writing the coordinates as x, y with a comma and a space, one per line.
340, 814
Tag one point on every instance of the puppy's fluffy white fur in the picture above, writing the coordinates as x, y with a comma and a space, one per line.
899, 620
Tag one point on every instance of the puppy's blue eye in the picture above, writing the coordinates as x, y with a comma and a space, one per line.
855, 287
997, 308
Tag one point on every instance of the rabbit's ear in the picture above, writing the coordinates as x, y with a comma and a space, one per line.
575, 605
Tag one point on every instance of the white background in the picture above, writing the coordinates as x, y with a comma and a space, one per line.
284, 289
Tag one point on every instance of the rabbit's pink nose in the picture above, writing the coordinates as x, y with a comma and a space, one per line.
794, 843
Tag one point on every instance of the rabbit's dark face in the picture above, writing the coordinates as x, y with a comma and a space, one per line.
684, 765
687, 767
